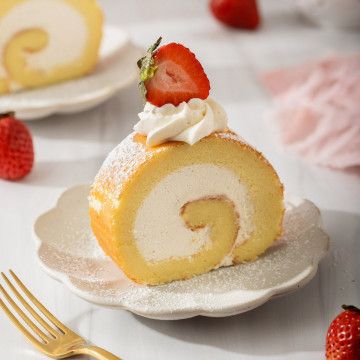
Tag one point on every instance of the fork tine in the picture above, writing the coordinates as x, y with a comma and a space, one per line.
29, 308
23, 315
18, 324
40, 306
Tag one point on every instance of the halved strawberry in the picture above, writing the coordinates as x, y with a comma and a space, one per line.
172, 74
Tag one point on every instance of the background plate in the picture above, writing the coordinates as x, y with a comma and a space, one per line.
68, 251
116, 69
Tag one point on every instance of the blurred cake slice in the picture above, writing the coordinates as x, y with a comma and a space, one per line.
43, 42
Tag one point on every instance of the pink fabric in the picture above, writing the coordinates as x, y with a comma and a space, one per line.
317, 110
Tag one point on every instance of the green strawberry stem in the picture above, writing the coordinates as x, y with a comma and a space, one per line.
7, 114
147, 66
351, 308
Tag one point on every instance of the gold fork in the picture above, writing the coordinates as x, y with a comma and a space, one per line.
58, 341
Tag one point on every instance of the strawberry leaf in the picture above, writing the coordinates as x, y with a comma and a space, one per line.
7, 114
351, 308
147, 66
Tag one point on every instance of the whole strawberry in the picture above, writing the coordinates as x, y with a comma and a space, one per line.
343, 336
16, 148
236, 13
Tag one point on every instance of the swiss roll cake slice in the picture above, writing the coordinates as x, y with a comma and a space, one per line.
183, 195
176, 210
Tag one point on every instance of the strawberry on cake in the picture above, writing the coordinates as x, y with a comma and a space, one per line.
183, 195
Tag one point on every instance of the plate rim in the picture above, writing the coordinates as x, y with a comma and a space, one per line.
293, 284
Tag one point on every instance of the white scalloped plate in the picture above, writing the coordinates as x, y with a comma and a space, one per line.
68, 251
116, 69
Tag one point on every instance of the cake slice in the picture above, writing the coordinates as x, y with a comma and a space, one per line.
183, 195
44, 42
178, 210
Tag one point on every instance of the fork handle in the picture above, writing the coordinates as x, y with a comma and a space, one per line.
96, 352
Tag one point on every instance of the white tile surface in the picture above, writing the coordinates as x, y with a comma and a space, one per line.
69, 150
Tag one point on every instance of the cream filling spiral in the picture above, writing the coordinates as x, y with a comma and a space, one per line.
161, 232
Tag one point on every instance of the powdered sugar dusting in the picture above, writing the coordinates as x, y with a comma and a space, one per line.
230, 136
121, 164
95, 204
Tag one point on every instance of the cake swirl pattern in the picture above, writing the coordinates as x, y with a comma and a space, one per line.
37, 48
156, 211
183, 189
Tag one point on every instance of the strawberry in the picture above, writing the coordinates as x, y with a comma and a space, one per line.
343, 336
16, 148
236, 13
172, 74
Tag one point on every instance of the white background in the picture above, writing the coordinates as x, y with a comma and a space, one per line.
70, 149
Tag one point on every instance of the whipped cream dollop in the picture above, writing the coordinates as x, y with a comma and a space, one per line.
189, 121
